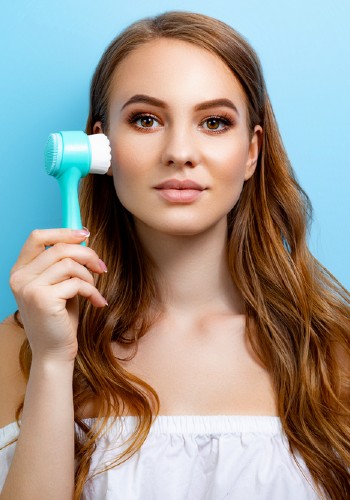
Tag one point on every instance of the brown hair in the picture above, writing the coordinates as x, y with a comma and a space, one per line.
297, 313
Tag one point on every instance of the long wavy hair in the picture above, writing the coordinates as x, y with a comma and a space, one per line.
297, 313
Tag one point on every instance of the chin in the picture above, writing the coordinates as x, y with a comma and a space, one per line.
177, 228
182, 232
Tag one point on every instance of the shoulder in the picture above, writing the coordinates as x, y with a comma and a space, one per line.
12, 381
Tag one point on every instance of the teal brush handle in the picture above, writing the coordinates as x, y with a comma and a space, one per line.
69, 184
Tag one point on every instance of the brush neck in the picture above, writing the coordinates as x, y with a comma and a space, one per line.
69, 184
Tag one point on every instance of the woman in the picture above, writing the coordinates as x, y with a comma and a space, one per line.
224, 344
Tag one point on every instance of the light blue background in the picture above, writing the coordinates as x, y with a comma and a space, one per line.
49, 51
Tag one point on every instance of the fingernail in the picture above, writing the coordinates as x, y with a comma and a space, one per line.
102, 265
81, 232
106, 302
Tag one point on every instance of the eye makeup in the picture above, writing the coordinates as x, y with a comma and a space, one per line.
135, 116
224, 119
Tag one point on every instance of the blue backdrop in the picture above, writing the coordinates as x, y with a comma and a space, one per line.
49, 51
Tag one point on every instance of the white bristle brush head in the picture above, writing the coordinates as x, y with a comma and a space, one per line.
100, 153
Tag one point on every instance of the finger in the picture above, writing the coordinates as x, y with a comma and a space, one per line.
70, 288
63, 270
60, 251
39, 239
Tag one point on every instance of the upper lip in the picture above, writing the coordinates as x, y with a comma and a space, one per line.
177, 184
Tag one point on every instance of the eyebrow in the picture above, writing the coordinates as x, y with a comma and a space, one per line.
161, 104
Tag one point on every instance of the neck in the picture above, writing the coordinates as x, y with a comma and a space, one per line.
192, 271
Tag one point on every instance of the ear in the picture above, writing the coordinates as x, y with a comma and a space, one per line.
97, 129
253, 153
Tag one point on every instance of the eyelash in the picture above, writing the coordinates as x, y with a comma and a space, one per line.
225, 119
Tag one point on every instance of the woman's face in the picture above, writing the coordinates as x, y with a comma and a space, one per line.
165, 127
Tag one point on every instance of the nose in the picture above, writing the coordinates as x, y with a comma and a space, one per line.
180, 148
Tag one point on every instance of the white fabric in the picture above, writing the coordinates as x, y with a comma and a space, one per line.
212, 457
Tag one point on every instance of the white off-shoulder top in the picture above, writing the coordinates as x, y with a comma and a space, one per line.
212, 457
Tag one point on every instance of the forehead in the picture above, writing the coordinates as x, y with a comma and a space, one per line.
176, 71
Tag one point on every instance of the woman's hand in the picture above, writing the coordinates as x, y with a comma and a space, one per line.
46, 283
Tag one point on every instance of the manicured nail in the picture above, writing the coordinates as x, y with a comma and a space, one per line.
102, 265
106, 302
79, 233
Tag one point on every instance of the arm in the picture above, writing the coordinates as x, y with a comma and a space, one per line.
46, 284
43, 464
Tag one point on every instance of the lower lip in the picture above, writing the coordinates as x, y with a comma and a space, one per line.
180, 195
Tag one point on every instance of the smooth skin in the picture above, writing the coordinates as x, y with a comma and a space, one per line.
178, 141
211, 146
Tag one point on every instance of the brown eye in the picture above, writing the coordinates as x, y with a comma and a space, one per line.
218, 124
213, 123
143, 121
147, 121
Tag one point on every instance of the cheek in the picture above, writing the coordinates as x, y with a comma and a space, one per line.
230, 161
125, 162
131, 170
228, 174
132, 157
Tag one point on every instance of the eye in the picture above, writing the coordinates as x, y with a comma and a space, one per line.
146, 121
217, 123
143, 121
213, 123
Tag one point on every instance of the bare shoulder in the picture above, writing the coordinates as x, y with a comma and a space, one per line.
12, 382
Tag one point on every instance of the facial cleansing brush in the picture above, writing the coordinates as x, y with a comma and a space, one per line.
69, 156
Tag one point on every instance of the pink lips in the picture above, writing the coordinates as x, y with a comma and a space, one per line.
180, 191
